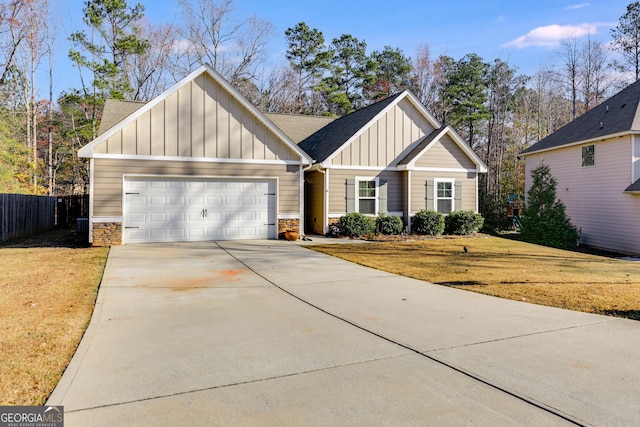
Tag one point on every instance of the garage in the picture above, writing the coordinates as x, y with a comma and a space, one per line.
161, 209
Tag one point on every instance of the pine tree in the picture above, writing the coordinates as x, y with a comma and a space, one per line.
545, 221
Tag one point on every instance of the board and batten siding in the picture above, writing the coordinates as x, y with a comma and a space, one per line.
200, 120
419, 190
445, 153
338, 188
594, 198
108, 177
388, 139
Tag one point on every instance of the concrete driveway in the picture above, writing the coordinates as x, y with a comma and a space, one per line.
271, 333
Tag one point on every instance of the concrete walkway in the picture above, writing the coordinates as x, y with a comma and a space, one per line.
271, 333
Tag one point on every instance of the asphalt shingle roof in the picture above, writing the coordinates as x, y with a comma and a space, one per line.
298, 127
635, 187
115, 111
617, 114
330, 138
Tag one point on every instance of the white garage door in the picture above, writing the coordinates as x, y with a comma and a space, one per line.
174, 210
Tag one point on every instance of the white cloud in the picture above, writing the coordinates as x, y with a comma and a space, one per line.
577, 6
551, 35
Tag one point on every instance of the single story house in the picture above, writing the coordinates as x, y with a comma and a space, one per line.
595, 160
200, 162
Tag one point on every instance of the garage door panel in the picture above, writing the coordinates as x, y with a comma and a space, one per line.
158, 233
160, 217
157, 184
138, 217
177, 216
137, 185
214, 200
137, 234
214, 232
136, 200
249, 216
158, 201
163, 210
177, 200
196, 201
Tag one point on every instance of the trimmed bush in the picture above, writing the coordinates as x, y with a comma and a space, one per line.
389, 224
356, 225
463, 223
427, 222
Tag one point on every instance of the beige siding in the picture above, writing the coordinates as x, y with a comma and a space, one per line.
445, 153
314, 202
338, 189
419, 191
201, 119
108, 176
594, 195
388, 139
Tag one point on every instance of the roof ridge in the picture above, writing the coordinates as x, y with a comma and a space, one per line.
618, 113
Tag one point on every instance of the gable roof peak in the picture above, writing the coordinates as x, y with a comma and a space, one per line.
88, 150
327, 141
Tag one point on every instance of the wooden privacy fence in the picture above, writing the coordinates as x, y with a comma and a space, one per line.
70, 208
22, 215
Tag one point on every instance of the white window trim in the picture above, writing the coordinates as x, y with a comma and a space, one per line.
358, 179
582, 156
437, 181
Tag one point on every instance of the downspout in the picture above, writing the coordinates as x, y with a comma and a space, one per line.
91, 178
409, 201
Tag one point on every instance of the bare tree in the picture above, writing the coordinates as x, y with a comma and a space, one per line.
570, 59
34, 17
13, 30
212, 34
594, 72
149, 72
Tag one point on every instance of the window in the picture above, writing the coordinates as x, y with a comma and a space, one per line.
367, 196
588, 156
444, 196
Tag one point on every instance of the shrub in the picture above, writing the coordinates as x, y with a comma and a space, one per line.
356, 225
463, 222
389, 224
495, 217
545, 220
428, 223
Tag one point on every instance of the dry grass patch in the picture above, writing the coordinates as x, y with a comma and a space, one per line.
47, 295
509, 269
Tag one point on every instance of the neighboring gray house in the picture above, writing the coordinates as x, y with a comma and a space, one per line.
596, 162
199, 162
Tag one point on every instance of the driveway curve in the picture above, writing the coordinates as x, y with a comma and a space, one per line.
272, 333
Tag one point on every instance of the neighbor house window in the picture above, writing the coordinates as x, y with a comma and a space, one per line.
444, 196
588, 156
367, 190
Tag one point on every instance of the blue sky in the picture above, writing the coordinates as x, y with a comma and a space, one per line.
523, 33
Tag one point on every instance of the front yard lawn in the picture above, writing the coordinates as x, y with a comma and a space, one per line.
509, 269
47, 294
